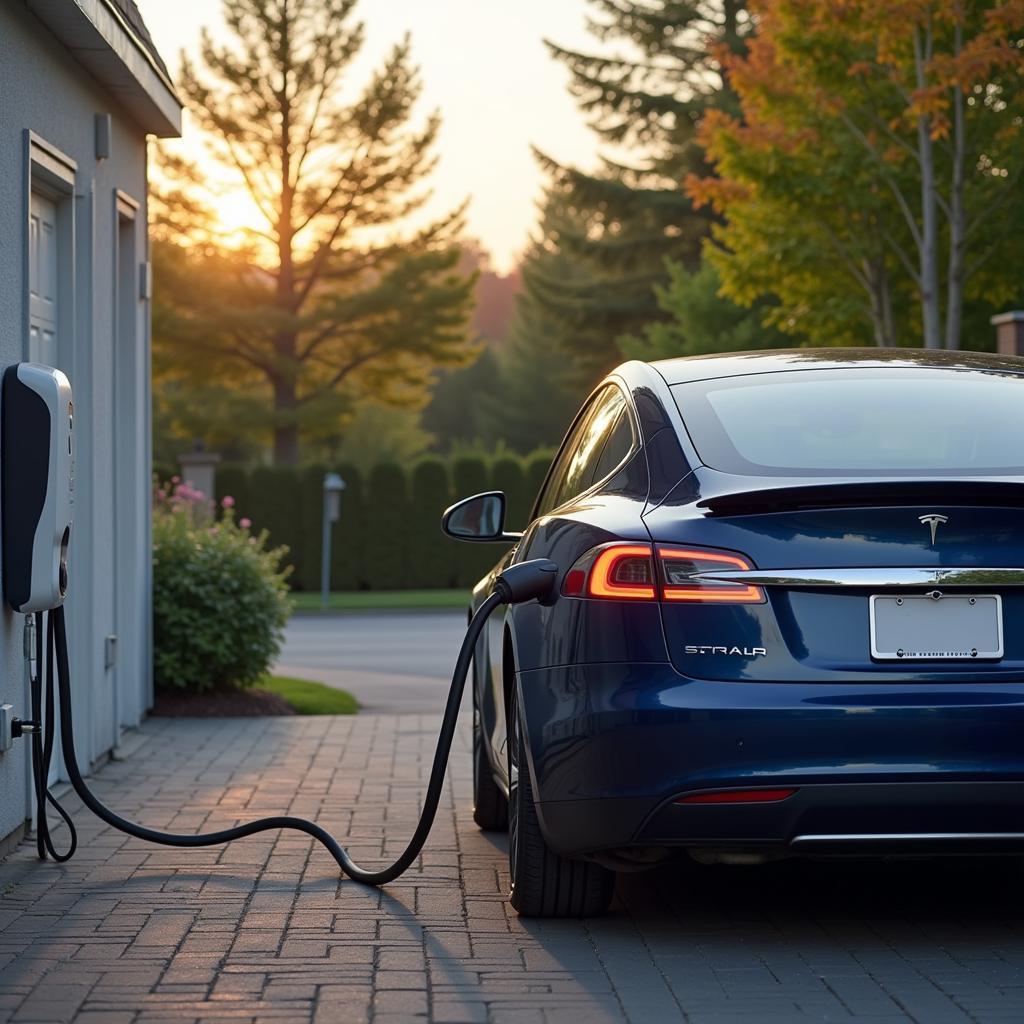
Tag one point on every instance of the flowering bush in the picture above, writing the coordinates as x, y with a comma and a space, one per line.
220, 600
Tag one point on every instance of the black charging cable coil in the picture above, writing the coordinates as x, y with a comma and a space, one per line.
521, 582
42, 746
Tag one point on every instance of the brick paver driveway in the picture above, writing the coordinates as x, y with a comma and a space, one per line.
265, 930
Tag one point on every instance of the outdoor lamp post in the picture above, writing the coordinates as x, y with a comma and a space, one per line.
333, 486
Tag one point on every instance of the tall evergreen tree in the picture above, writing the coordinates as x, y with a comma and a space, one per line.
541, 385
455, 414
644, 98
334, 296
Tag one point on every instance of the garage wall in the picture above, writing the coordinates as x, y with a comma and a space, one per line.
102, 344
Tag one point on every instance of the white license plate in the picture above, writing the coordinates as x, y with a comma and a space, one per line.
953, 627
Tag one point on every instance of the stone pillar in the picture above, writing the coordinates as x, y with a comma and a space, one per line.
1010, 332
199, 469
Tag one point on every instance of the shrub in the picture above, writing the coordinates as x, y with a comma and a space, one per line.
232, 480
507, 475
310, 482
432, 554
387, 525
220, 597
274, 504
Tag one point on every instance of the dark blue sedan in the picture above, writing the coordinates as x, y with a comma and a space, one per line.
787, 621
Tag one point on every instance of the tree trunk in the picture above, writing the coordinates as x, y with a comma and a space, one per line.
286, 342
731, 25
876, 275
286, 445
286, 427
888, 320
957, 214
929, 245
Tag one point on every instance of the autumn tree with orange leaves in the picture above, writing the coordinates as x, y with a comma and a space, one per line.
877, 157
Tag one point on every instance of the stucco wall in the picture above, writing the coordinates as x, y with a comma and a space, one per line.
43, 89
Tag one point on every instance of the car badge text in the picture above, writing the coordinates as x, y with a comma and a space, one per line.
934, 520
742, 652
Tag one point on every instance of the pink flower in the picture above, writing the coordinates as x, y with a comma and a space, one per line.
245, 522
227, 501
175, 479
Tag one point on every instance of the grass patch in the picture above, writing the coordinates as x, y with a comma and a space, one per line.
354, 600
309, 698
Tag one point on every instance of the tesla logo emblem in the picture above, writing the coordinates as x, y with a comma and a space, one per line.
934, 521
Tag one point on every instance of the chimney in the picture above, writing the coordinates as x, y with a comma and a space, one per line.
1009, 332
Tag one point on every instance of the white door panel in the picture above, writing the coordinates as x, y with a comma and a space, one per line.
42, 281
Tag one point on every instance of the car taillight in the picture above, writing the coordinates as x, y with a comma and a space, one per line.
623, 571
679, 564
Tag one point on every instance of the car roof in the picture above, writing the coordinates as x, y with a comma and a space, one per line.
735, 364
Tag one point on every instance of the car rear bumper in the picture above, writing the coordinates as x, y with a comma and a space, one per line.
907, 768
846, 819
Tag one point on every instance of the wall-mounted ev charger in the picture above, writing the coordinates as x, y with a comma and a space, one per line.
38, 477
38, 498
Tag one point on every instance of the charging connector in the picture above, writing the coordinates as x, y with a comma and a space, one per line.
12, 728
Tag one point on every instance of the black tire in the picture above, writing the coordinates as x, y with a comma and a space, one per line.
490, 808
543, 883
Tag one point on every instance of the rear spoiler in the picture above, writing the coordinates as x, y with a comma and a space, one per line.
795, 496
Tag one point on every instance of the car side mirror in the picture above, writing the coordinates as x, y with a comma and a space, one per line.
480, 518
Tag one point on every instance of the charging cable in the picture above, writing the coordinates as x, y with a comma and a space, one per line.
42, 747
524, 581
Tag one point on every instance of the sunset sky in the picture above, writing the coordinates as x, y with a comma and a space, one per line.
485, 66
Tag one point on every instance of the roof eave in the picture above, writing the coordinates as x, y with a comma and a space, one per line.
103, 42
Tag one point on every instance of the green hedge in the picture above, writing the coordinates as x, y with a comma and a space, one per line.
507, 475
348, 551
470, 476
387, 539
432, 554
388, 536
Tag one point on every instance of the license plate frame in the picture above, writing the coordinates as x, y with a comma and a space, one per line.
950, 639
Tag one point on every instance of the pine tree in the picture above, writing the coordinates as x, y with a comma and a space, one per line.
547, 365
332, 297
645, 101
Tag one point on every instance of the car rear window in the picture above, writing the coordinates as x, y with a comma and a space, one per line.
858, 421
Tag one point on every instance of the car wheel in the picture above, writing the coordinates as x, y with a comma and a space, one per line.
543, 883
490, 808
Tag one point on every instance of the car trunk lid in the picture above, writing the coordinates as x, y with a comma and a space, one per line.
821, 549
